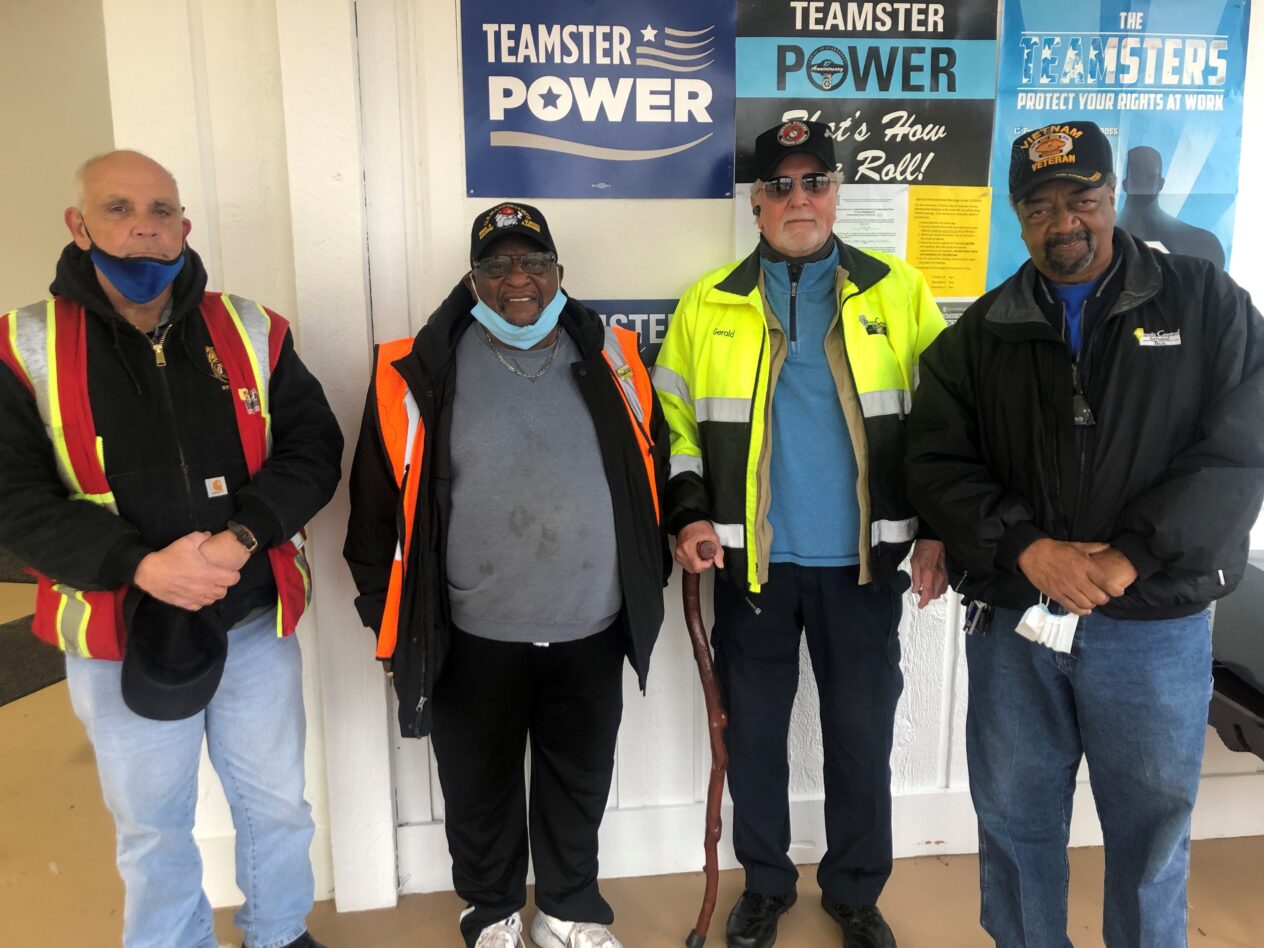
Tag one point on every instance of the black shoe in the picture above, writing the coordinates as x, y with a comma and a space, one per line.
753, 921
863, 926
305, 940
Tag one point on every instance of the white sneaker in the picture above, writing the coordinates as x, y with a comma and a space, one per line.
505, 934
550, 932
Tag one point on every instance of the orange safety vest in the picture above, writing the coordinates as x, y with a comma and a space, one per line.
45, 346
403, 435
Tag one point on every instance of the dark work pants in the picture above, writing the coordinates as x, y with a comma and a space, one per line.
568, 700
855, 650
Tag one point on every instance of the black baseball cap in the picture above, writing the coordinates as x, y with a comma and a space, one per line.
505, 219
1072, 151
173, 660
790, 138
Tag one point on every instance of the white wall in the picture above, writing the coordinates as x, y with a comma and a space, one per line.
254, 106
54, 119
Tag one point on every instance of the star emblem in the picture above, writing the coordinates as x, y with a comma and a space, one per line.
649, 34
549, 99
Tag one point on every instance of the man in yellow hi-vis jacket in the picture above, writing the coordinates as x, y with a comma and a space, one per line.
803, 497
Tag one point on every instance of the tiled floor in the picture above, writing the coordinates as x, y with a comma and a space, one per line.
59, 889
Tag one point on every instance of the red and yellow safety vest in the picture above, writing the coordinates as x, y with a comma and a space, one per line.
403, 435
45, 346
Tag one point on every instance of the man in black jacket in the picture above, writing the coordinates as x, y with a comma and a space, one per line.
505, 539
161, 448
1086, 442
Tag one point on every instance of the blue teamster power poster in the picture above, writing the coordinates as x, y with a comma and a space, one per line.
581, 99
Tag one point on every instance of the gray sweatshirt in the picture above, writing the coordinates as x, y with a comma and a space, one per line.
531, 546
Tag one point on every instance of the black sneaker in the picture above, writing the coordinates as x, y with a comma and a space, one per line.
863, 926
753, 921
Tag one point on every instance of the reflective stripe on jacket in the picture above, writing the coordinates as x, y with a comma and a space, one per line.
403, 435
716, 373
398, 526
45, 346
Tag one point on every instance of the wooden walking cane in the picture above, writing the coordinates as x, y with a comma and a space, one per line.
717, 720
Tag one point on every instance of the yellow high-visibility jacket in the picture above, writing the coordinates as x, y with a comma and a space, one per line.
715, 376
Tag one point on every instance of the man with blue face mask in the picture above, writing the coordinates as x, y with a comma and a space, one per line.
161, 448
506, 543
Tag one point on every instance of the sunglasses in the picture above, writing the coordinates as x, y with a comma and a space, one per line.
536, 262
813, 183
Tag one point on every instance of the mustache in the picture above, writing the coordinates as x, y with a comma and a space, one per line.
1070, 267
1059, 239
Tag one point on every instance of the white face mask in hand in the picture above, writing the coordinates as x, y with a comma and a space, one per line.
1042, 626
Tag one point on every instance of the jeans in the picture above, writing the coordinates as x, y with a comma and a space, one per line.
1131, 697
254, 729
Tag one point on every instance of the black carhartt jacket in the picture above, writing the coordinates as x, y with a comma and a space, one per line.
165, 431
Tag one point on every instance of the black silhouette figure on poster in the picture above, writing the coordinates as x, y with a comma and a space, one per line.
1142, 217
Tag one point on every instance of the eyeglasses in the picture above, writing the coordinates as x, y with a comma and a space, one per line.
813, 183
536, 262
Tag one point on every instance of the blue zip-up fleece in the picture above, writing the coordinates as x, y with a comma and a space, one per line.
815, 516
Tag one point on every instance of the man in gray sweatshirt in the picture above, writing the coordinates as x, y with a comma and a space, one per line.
506, 542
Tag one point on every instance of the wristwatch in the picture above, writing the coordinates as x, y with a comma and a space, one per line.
243, 535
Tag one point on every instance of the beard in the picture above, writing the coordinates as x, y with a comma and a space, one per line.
1066, 268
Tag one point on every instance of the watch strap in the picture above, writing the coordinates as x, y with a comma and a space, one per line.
244, 535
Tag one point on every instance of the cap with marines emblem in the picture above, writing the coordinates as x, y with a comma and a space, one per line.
1072, 151
790, 138
506, 218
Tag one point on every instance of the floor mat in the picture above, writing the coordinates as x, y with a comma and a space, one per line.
26, 663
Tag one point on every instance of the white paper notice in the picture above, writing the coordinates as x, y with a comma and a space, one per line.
873, 216
869, 216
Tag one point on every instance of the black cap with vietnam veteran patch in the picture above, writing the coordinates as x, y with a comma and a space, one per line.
505, 219
1071, 151
790, 138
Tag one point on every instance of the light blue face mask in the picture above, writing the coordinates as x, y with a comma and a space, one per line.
520, 337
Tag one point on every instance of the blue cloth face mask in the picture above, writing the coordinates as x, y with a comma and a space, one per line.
139, 279
520, 337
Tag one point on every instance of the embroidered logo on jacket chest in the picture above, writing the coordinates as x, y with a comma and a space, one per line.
217, 367
1158, 338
